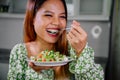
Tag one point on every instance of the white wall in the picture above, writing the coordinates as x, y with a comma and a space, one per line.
11, 31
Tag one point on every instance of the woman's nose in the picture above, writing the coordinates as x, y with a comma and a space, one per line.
56, 21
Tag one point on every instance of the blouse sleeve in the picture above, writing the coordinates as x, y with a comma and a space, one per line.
15, 67
84, 66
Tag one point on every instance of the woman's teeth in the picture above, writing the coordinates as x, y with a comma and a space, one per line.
53, 31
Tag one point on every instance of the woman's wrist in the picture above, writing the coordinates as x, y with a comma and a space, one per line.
78, 52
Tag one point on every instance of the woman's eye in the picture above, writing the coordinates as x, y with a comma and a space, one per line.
63, 17
48, 15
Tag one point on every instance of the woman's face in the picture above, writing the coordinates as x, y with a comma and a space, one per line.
49, 21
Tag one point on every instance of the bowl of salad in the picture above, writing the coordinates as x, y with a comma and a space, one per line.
50, 58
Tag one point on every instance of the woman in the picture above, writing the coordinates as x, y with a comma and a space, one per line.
43, 17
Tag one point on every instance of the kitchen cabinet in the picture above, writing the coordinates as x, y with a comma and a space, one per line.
17, 6
89, 9
77, 9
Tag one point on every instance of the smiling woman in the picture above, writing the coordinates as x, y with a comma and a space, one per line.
44, 29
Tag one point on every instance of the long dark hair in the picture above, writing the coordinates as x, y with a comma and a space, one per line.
29, 33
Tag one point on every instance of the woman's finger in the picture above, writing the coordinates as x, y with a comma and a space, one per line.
79, 29
76, 23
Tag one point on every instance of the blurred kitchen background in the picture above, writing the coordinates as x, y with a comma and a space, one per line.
99, 18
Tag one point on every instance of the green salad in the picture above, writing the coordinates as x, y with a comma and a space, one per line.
49, 56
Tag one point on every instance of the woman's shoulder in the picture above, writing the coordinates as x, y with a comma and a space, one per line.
19, 47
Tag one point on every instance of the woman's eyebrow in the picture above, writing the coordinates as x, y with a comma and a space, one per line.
48, 12
52, 12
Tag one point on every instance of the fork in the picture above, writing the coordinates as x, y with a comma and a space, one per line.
68, 28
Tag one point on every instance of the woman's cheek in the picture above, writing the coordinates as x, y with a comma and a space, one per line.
64, 23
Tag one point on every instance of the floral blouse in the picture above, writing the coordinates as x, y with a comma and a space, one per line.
83, 68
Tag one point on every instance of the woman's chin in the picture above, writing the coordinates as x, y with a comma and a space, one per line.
53, 41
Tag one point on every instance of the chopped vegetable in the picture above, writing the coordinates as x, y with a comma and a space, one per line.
49, 56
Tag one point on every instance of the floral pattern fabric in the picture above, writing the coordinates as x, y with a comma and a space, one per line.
83, 68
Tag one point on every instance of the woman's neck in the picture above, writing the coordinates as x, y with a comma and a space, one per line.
42, 45
35, 47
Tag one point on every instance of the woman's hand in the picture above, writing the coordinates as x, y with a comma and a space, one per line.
77, 37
